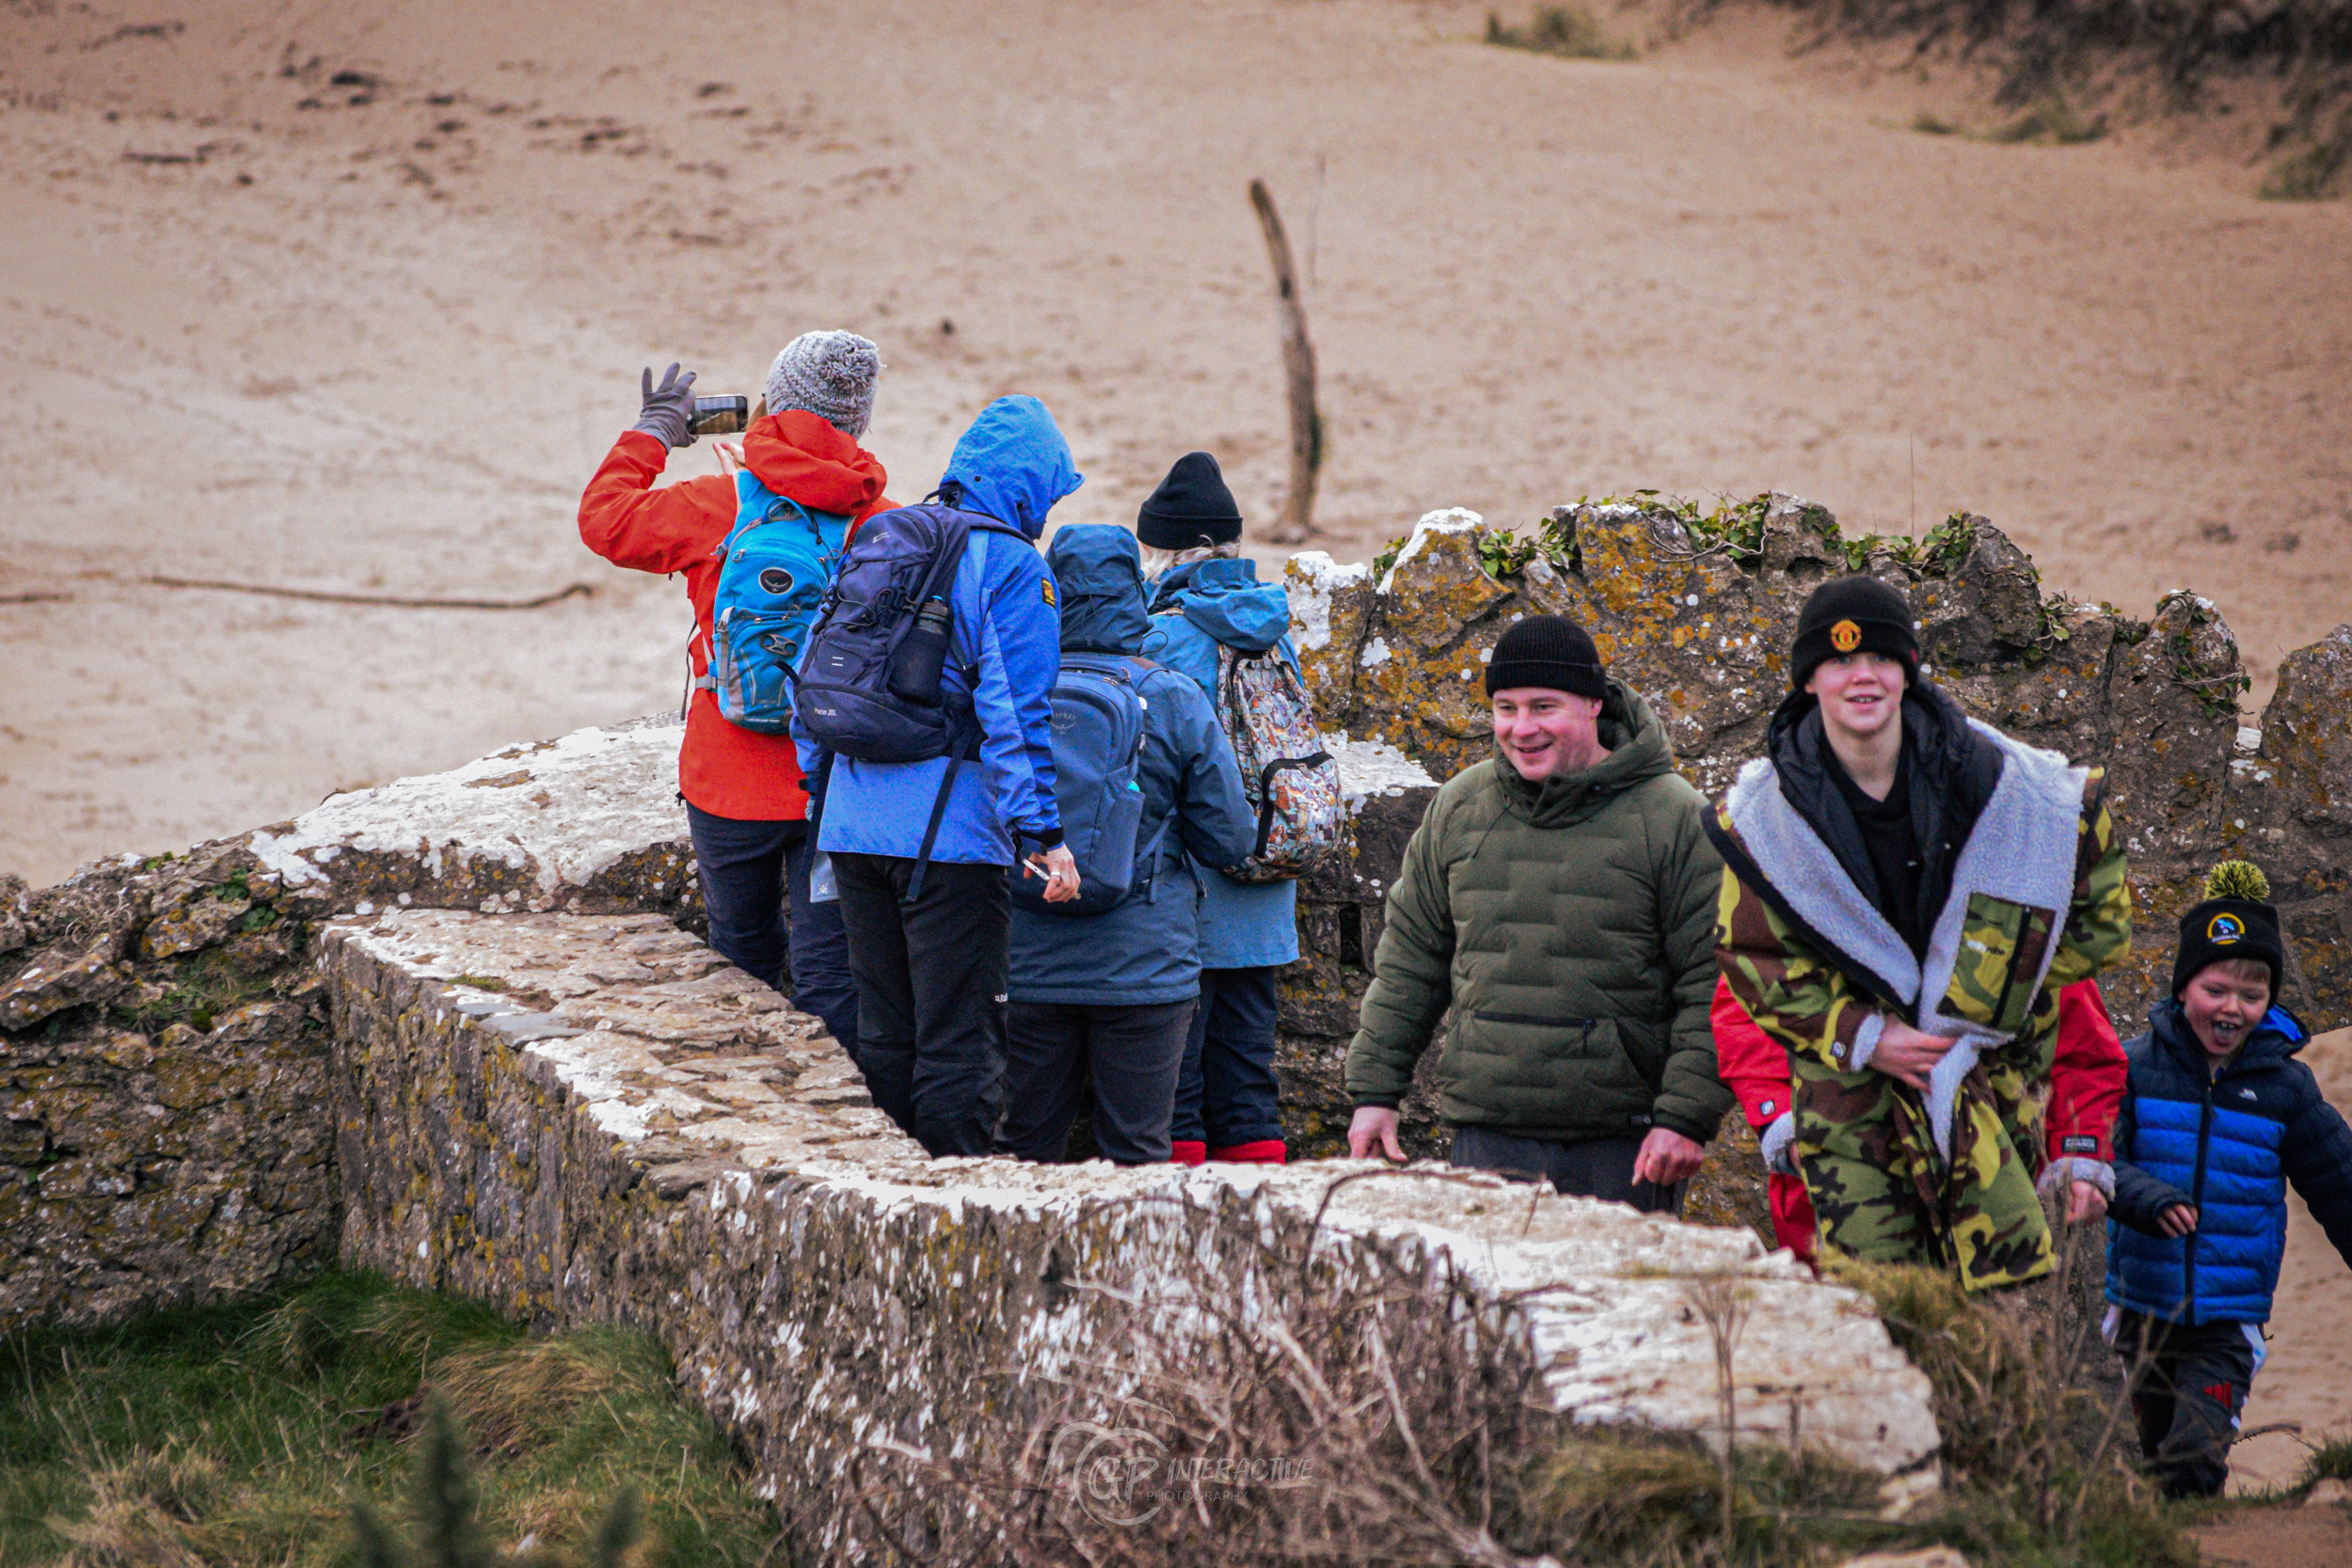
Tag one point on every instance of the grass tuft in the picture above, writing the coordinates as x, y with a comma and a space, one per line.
248, 1434
2308, 175
2053, 122
1569, 31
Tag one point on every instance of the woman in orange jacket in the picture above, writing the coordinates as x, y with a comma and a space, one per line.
746, 799
2087, 1080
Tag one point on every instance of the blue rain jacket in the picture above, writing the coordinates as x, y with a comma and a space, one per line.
1147, 950
1003, 654
1194, 608
2228, 1144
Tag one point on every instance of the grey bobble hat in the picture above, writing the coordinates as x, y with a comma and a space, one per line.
831, 374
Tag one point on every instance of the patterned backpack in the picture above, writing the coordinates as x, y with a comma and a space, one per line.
1263, 707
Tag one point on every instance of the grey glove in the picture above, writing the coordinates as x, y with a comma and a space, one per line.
669, 410
1778, 1144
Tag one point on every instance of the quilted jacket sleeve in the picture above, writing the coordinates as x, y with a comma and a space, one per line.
1692, 1097
1412, 975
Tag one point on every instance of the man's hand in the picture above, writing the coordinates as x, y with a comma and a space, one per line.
1372, 1124
669, 410
2084, 1202
1060, 868
1908, 1056
2176, 1221
1667, 1157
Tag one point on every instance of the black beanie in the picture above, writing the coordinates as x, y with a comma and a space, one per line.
2232, 922
1191, 507
1853, 615
1550, 650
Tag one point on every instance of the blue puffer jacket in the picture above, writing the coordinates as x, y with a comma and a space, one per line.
1194, 608
2227, 1145
1147, 950
1012, 465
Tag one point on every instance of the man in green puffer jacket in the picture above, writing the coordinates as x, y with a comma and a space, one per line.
1561, 899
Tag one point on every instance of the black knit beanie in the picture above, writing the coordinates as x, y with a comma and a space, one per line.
2234, 921
1851, 615
1191, 507
1551, 650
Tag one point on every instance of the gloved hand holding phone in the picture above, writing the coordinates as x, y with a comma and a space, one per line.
669, 408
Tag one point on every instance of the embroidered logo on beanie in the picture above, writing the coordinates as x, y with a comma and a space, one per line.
2225, 928
1845, 637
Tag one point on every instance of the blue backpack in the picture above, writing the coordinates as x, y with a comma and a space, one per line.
1098, 738
776, 565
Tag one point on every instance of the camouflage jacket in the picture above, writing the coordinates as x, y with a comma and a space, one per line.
1944, 1178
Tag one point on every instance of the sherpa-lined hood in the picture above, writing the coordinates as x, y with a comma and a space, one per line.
1637, 751
1013, 464
1225, 599
1099, 569
795, 453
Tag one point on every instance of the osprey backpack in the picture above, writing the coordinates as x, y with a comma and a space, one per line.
1285, 772
775, 565
1099, 738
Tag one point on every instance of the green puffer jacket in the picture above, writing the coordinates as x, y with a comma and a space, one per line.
1571, 927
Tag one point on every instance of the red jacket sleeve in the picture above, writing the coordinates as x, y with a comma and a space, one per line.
2087, 1077
1752, 1063
630, 523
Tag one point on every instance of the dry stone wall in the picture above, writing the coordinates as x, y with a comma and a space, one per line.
588, 1118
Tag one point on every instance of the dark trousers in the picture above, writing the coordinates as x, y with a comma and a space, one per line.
1132, 1054
2188, 1385
1226, 1093
930, 994
752, 874
1601, 1168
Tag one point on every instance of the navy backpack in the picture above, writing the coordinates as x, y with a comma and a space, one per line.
1098, 738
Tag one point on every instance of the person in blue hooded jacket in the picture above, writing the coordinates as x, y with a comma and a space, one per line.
1112, 993
2217, 1117
1205, 596
928, 953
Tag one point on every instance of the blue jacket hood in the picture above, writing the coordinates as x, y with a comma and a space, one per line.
2278, 1037
1225, 599
1099, 570
1013, 464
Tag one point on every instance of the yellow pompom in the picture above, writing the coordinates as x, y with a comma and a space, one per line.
2237, 880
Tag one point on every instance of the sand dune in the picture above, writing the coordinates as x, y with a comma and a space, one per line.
355, 301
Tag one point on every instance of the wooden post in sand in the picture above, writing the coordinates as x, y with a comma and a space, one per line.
1298, 369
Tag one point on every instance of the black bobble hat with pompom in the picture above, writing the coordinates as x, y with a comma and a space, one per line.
2235, 922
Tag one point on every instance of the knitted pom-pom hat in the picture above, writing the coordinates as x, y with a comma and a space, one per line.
829, 374
2236, 921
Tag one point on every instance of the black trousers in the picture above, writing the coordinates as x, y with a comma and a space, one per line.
1227, 1093
2188, 1385
930, 994
1601, 1167
1133, 1053
754, 876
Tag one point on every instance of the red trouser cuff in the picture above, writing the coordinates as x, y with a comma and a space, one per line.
1265, 1151
1187, 1152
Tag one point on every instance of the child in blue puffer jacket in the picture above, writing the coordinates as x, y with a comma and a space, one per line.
1203, 597
2218, 1119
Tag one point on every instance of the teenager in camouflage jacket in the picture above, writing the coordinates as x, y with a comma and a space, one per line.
1906, 892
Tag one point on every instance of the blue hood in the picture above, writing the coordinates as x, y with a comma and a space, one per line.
1100, 572
2279, 1036
1013, 464
1225, 599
